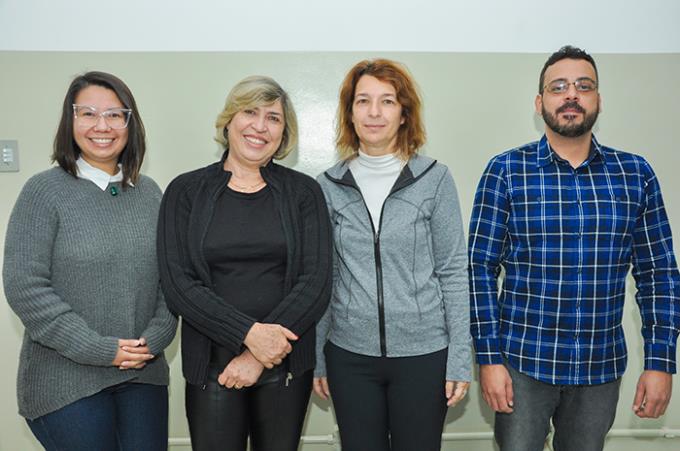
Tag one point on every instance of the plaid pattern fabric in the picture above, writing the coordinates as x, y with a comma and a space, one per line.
566, 239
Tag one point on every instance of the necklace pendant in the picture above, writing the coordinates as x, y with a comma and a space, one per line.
114, 191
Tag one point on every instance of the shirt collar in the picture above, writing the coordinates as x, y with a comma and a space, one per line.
97, 176
545, 155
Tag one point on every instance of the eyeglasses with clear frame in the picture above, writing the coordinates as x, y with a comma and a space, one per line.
560, 86
87, 116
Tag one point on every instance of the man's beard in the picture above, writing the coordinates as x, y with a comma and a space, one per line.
570, 129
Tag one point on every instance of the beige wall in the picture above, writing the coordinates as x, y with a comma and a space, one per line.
476, 105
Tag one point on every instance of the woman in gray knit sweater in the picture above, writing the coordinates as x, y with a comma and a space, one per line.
80, 271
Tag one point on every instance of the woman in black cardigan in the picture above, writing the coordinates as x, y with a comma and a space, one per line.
245, 259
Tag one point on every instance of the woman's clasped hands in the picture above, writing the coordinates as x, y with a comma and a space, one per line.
132, 353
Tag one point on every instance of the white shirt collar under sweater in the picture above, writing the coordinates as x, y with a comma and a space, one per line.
97, 176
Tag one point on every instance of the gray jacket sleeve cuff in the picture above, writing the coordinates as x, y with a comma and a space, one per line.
459, 363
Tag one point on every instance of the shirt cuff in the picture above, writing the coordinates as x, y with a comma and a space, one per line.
488, 351
459, 362
660, 357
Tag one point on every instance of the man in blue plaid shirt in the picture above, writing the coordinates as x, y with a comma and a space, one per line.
566, 217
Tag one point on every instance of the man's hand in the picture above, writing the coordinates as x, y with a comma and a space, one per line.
496, 387
653, 394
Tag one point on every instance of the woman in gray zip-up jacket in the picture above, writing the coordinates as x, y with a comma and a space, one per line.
394, 347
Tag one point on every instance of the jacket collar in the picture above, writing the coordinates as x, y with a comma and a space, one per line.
416, 166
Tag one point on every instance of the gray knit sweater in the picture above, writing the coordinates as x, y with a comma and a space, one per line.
80, 271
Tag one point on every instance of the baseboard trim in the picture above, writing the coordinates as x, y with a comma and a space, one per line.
331, 439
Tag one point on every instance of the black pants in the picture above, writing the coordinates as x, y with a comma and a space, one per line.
384, 403
220, 419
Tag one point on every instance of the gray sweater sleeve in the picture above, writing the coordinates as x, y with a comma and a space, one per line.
161, 329
48, 319
450, 261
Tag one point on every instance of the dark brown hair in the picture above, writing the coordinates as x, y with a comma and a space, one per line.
566, 52
66, 151
411, 134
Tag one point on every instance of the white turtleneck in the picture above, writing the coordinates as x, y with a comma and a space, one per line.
375, 177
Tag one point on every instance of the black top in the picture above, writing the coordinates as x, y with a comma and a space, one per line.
246, 251
186, 211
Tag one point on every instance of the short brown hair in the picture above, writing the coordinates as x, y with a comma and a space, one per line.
566, 52
256, 91
66, 151
411, 134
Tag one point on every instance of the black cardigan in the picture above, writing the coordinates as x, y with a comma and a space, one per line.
186, 211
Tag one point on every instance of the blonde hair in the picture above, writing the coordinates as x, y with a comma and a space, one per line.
411, 134
256, 91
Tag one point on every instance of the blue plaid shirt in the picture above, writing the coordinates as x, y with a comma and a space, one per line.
566, 238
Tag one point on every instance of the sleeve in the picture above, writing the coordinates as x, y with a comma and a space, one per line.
450, 265
48, 319
323, 326
185, 293
487, 240
161, 328
656, 278
308, 298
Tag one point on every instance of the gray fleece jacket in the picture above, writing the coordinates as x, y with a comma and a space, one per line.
401, 290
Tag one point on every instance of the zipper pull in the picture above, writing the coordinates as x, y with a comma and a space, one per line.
289, 377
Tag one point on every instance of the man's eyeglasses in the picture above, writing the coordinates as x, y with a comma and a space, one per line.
561, 86
87, 116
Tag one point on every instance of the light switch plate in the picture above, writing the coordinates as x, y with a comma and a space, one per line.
9, 156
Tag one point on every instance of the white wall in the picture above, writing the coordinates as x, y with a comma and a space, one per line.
605, 26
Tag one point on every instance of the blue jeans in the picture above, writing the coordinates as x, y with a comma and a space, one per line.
581, 414
125, 417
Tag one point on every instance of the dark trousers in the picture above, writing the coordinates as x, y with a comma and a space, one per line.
126, 417
581, 414
272, 414
384, 403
